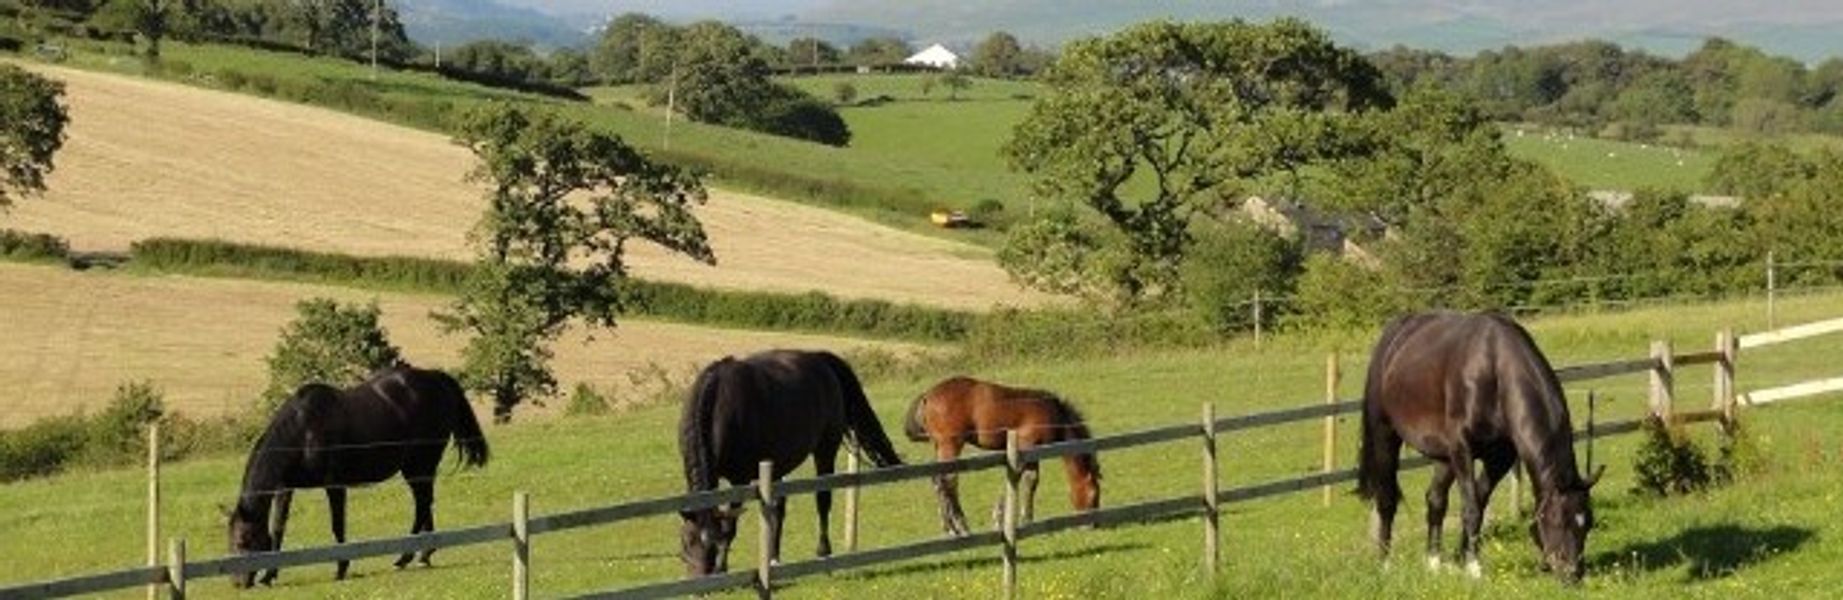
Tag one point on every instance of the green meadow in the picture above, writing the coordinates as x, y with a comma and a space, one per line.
1771, 533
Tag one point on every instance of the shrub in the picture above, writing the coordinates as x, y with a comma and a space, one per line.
1228, 264
262, 83
585, 401
1669, 463
327, 343
114, 436
32, 247
1335, 293
844, 92
232, 79
42, 448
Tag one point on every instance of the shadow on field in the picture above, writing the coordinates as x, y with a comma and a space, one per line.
986, 562
1710, 552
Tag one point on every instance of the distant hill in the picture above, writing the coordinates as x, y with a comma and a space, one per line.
451, 22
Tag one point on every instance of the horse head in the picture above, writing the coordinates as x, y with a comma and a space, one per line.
248, 533
1563, 519
1084, 482
705, 539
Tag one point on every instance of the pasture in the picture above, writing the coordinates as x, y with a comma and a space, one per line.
72, 337
1612, 164
148, 158
1770, 534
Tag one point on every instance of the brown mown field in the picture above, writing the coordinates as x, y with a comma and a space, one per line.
148, 158
69, 338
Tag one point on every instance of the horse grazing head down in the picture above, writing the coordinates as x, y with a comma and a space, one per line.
705, 538
248, 533
1563, 519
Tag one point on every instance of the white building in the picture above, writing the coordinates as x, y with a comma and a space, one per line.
936, 56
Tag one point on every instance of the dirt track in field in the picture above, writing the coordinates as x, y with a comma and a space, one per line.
149, 158
69, 338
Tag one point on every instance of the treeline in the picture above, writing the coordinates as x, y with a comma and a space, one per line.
812, 311
1628, 93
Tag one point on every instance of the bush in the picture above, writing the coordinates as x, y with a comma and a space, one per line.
1228, 264
32, 247
1669, 463
263, 83
797, 115
585, 401
1336, 293
115, 436
328, 343
844, 92
232, 79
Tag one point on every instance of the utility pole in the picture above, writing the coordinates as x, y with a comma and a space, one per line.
671, 105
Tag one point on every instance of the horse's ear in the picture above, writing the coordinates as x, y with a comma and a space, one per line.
1595, 478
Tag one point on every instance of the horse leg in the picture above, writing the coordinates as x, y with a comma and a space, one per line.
1030, 492
1382, 513
1472, 489
824, 461
1437, 493
336, 507
278, 527
947, 488
423, 490
777, 516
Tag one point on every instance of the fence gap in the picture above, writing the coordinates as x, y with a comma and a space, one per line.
1331, 381
521, 546
1013, 474
851, 503
764, 564
1663, 380
1212, 490
153, 502
176, 569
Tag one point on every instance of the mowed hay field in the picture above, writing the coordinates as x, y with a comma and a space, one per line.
147, 158
1775, 534
70, 338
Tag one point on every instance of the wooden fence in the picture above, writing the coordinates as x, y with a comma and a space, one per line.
1662, 365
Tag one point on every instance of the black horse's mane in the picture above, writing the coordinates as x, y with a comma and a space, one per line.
694, 429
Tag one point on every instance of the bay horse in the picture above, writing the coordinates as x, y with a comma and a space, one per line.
779, 405
963, 410
397, 422
1472, 387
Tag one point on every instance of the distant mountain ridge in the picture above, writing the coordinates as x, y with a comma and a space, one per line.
451, 22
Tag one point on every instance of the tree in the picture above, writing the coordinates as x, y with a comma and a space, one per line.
563, 204
879, 51
148, 19
1434, 147
328, 343
999, 55
721, 78
811, 52
845, 92
32, 120
634, 48
1158, 123
955, 82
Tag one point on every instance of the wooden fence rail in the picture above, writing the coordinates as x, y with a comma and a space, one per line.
1662, 367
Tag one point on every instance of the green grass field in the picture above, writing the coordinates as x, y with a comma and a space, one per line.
1774, 533
1611, 164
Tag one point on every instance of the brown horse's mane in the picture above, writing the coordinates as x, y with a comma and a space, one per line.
1071, 425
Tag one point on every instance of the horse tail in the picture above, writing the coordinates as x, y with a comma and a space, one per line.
466, 427
1375, 466
694, 428
860, 419
912, 425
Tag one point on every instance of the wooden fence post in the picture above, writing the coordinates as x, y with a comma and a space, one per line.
1772, 289
176, 569
1212, 532
1593, 402
521, 546
1729, 347
1257, 318
851, 504
764, 564
1331, 380
153, 502
1014, 472
1663, 380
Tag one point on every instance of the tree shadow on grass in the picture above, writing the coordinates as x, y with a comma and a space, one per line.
989, 561
1710, 552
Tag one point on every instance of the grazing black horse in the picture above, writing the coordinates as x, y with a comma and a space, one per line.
397, 422
1463, 388
779, 405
